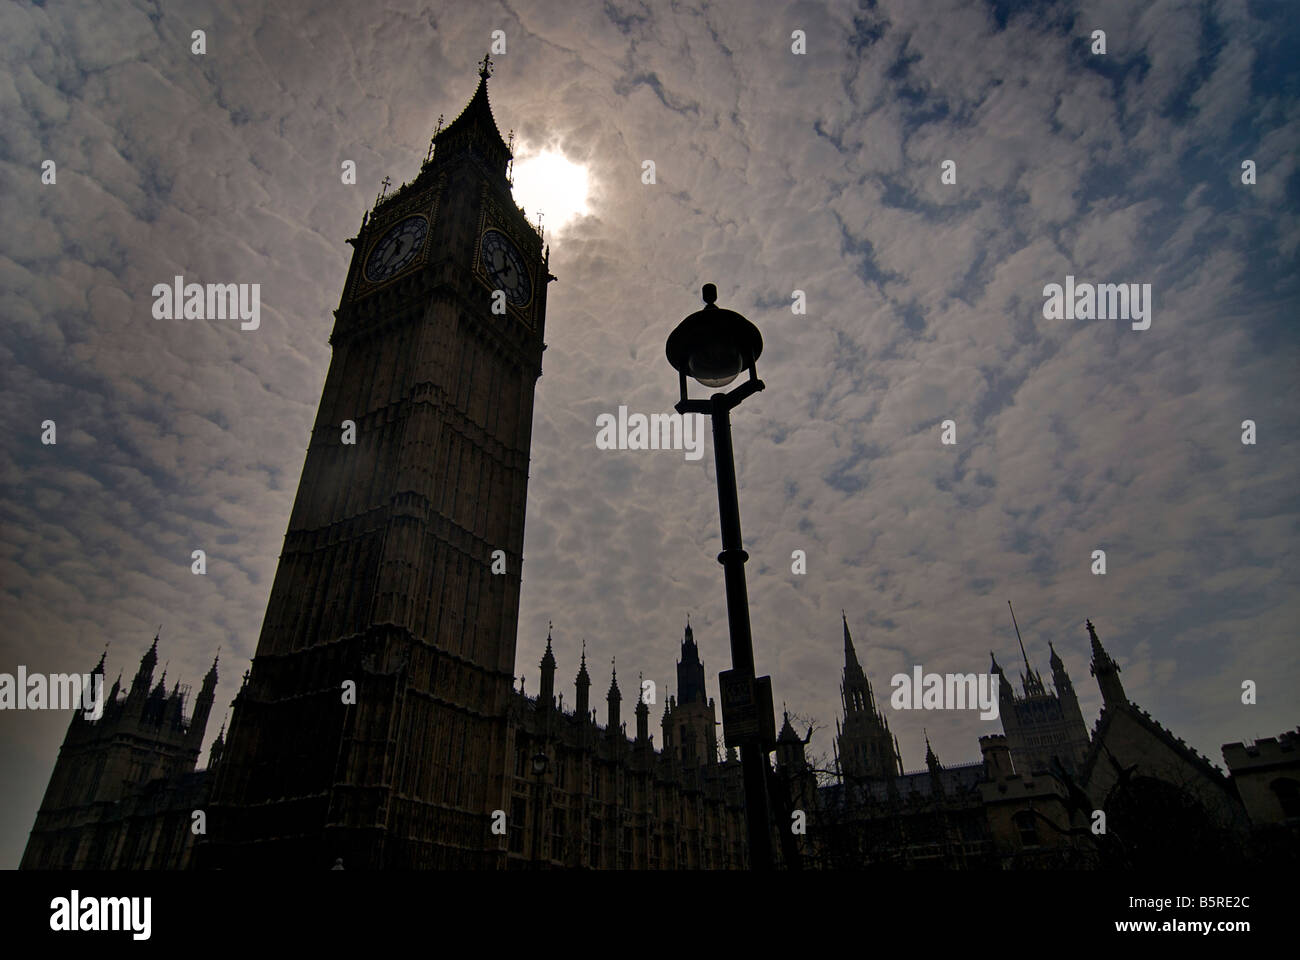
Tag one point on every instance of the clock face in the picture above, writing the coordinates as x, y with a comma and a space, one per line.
505, 268
396, 249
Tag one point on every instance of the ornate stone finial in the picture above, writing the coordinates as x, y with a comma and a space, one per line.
383, 188
485, 66
710, 294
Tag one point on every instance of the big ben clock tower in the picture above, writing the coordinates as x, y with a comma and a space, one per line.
371, 726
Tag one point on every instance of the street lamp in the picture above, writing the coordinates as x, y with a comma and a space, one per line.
714, 346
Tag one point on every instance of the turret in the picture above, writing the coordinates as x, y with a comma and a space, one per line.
1005, 693
582, 703
789, 748
203, 705
156, 702
997, 756
642, 717
546, 698
1106, 671
690, 670
934, 766
615, 701
174, 713
218, 747
1065, 692
144, 675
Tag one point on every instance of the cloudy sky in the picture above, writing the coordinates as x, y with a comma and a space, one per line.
775, 172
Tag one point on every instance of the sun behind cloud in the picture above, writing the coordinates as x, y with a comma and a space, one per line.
551, 184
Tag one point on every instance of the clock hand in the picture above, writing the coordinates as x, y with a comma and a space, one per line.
393, 253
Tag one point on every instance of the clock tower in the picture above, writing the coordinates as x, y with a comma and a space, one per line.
371, 726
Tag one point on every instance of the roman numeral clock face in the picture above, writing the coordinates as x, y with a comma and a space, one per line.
395, 250
504, 267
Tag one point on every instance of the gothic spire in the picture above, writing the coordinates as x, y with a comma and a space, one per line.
934, 766
475, 129
690, 671
546, 696
583, 683
613, 699
1029, 680
787, 733
143, 676
1106, 671
642, 713
582, 665
613, 681
548, 658
850, 655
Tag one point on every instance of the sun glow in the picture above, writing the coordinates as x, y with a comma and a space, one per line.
550, 184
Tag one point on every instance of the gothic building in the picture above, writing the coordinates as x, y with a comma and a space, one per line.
124, 786
864, 746
379, 724
1041, 725
373, 724
587, 797
582, 795
1046, 794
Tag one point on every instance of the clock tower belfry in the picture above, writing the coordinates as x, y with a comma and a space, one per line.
372, 724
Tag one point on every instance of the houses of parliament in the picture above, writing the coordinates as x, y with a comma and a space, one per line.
379, 725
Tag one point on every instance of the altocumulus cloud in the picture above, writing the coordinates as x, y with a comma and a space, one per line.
775, 172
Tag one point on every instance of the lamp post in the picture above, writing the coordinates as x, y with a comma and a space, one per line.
714, 346
540, 763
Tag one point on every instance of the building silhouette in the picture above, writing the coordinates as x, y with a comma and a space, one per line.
1048, 795
373, 724
379, 725
124, 786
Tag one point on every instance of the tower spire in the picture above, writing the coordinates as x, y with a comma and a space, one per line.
613, 698
583, 684
545, 697
474, 131
850, 655
865, 744
1031, 681
1106, 671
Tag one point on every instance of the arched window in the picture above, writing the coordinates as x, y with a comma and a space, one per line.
1027, 826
